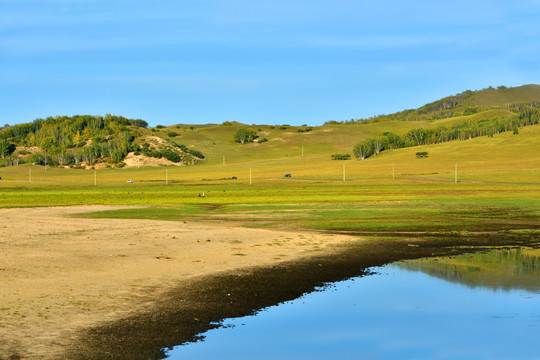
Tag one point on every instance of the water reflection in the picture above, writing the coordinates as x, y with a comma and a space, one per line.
505, 268
398, 314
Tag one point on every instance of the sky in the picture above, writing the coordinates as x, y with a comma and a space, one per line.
256, 62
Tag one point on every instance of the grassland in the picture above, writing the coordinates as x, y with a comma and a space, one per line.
497, 189
405, 206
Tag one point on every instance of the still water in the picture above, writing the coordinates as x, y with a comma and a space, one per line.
474, 306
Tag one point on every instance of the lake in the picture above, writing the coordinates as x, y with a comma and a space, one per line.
474, 306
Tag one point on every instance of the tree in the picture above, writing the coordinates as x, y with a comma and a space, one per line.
6, 148
244, 135
378, 145
364, 149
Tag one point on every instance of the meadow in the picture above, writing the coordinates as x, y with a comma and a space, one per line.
326, 221
478, 185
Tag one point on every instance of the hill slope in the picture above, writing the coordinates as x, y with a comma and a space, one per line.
88, 140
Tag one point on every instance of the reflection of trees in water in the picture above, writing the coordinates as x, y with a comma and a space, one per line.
509, 268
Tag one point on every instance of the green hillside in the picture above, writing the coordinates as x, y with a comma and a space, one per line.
113, 141
503, 96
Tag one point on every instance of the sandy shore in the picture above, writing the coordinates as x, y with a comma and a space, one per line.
60, 275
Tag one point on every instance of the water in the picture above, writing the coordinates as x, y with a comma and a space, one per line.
481, 306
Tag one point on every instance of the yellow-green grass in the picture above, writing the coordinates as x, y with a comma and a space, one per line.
216, 141
498, 189
503, 158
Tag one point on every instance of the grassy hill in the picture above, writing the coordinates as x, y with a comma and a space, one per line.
306, 151
503, 96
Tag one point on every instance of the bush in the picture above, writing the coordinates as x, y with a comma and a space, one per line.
173, 134
263, 140
197, 153
421, 154
341, 156
160, 126
138, 122
171, 155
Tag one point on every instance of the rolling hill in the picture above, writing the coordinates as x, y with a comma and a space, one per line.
482, 118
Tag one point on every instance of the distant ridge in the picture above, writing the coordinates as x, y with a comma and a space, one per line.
465, 103
503, 95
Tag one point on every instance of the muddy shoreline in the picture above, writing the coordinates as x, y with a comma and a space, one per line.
182, 314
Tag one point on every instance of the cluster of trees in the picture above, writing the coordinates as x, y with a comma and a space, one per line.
65, 140
245, 135
527, 115
70, 140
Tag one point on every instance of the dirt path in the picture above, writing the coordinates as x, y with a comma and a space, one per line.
60, 274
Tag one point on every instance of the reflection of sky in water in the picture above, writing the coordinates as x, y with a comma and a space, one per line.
396, 314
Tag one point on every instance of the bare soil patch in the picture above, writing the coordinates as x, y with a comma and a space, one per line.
62, 275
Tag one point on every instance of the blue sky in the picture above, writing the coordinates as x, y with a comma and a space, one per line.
265, 62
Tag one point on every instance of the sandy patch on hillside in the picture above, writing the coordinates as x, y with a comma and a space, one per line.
132, 160
60, 274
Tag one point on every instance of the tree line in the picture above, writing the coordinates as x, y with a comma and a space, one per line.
527, 115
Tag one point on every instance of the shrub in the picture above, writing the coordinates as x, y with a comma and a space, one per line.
197, 153
173, 134
421, 154
171, 155
341, 156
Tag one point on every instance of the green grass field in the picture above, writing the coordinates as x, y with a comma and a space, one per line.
498, 187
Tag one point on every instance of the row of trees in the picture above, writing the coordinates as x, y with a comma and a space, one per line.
425, 136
